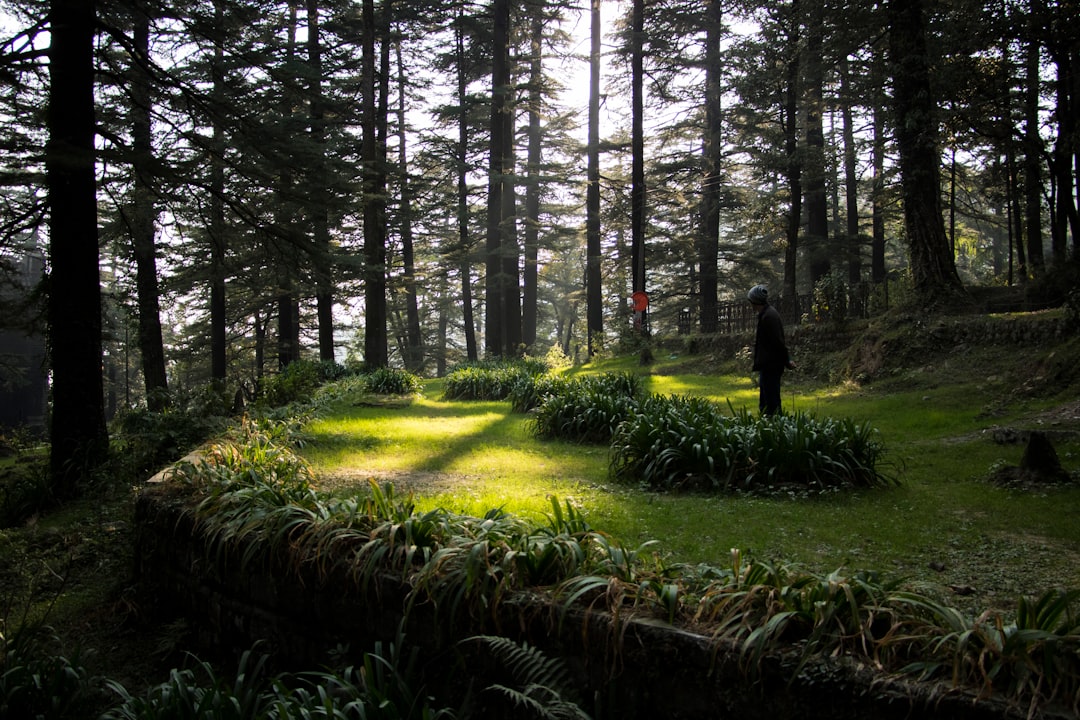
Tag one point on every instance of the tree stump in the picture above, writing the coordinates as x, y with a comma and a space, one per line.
1039, 465
1040, 461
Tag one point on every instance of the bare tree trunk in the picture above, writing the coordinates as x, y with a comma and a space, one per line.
498, 173
709, 239
1033, 150
817, 206
414, 356
144, 222
218, 243
793, 164
464, 240
77, 429
933, 270
374, 173
593, 292
318, 195
288, 314
851, 188
638, 191
877, 249
532, 187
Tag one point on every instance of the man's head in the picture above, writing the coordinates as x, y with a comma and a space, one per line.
758, 295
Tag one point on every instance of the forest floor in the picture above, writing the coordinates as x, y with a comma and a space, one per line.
76, 562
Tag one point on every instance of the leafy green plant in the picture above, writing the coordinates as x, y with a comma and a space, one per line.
380, 689
25, 491
491, 379
542, 686
144, 441
587, 408
531, 391
1036, 656
297, 381
38, 681
392, 381
678, 442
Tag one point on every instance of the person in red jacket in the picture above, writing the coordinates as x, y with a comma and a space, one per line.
771, 356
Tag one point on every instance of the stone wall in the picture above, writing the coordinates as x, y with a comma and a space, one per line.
625, 668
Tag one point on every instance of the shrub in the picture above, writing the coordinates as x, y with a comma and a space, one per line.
145, 441
392, 381
678, 442
587, 408
297, 381
25, 491
36, 681
490, 380
530, 391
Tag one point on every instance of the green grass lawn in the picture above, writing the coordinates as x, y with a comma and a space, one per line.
993, 543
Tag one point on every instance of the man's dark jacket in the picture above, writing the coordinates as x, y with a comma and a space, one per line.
770, 350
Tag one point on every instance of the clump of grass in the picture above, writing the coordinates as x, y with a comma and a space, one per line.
684, 442
491, 379
587, 408
392, 381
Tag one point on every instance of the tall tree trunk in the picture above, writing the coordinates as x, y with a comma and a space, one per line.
851, 192
594, 305
498, 173
933, 270
712, 149
288, 314
638, 190
318, 195
532, 187
1033, 150
1016, 226
414, 355
877, 243
793, 166
1065, 53
375, 320
462, 160
218, 322
511, 252
77, 430
817, 204
144, 222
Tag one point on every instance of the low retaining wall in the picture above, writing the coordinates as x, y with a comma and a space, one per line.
625, 668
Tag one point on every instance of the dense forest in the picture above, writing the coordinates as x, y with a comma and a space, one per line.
221, 188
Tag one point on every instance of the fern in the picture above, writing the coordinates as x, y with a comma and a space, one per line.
542, 683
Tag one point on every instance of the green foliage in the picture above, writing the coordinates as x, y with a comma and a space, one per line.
543, 685
1037, 655
531, 391
587, 408
830, 298
380, 689
144, 441
262, 501
490, 379
25, 491
679, 442
37, 681
762, 608
296, 382
392, 381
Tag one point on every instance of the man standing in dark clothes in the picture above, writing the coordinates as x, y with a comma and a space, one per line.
771, 355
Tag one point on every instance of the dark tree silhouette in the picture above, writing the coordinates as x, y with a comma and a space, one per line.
78, 432
933, 270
